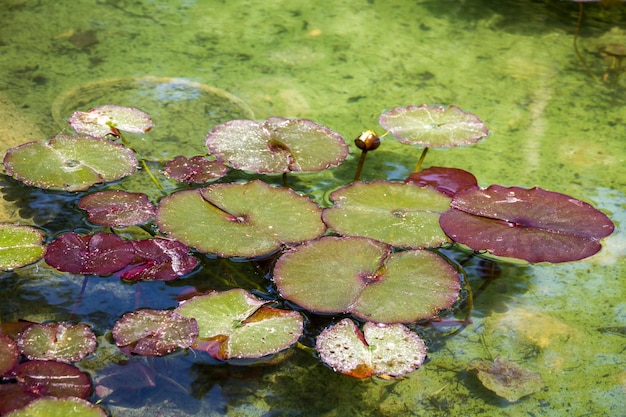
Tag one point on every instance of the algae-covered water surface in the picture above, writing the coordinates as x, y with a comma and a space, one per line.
548, 82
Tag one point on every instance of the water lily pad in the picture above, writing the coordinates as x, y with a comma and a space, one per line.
381, 349
71, 163
277, 145
197, 169
158, 260
531, 224
59, 407
63, 342
403, 215
364, 277
243, 220
433, 126
116, 208
19, 246
507, 379
109, 120
9, 354
448, 181
154, 332
102, 253
235, 324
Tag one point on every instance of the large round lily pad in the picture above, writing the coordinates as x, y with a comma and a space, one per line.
71, 163
19, 246
235, 324
433, 126
239, 220
364, 277
277, 145
531, 224
403, 215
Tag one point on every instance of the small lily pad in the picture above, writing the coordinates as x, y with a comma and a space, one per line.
277, 145
364, 277
239, 220
448, 181
381, 349
403, 215
235, 324
154, 332
71, 163
116, 208
507, 379
531, 224
109, 120
19, 246
196, 170
433, 126
59, 407
158, 260
9, 354
63, 342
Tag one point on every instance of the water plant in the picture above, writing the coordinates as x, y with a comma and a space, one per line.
372, 260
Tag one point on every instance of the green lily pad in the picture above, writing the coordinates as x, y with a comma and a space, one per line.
59, 407
403, 215
71, 163
57, 341
109, 120
433, 126
235, 324
364, 277
381, 349
19, 246
239, 220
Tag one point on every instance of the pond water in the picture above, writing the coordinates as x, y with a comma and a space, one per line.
555, 122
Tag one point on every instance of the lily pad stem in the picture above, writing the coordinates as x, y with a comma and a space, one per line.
419, 163
143, 161
359, 168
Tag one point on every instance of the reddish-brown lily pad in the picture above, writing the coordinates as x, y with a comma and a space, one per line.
531, 224
9, 354
448, 181
158, 260
116, 208
197, 169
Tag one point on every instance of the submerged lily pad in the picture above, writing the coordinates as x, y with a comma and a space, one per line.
154, 332
59, 407
158, 259
277, 145
19, 246
244, 220
116, 208
197, 169
403, 215
235, 324
63, 342
433, 126
110, 119
364, 277
507, 379
71, 163
531, 224
381, 349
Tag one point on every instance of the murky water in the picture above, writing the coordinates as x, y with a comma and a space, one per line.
554, 123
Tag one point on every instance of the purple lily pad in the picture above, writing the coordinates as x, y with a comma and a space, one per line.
109, 120
56, 379
277, 145
433, 126
154, 332
101, 254
448, 181
116, 208
196, 170
57, 341
159, 260
531, 224
9, 353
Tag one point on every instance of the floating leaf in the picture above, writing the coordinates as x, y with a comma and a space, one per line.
277, 145
402, 215
154, 332
507, 379
197, 169
448, 181
364, 277
381, 349
116, 208
19, 246
102, 253
158, 259
246, 220
59, 407
9, 353
234, 324
433, 126
531, 224
110, 119
57, 341
71, 163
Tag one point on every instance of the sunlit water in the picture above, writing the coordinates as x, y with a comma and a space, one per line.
554, 124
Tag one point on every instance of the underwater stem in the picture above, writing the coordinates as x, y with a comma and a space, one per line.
419, 163
576, 32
